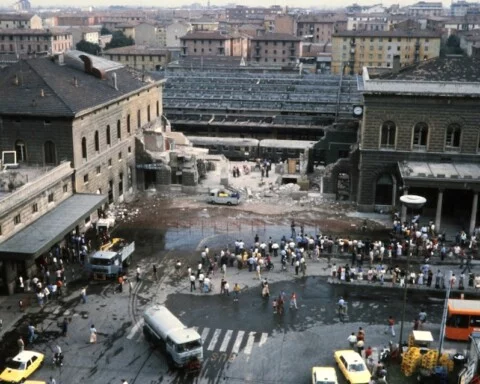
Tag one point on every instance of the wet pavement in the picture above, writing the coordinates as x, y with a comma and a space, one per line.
244, 341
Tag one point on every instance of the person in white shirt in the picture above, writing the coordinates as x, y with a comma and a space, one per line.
352, 340
192, 283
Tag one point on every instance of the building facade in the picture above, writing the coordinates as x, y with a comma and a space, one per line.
425, 9
275, 48
150, 34
38, 41
420, 136
209, 44
369, 22
140, 58
174, 31
20, 21
90, 35
352, 50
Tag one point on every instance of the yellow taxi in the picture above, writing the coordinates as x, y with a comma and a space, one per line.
352, 366
324, 375
18, 368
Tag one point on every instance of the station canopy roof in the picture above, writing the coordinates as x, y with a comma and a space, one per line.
38, 237
448, 174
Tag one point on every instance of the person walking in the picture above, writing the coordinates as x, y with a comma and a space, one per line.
236, 291
226, 288
139, 271
124, 381
130, 286
192, 283
360, 345
83, 295
93, 334
154, 271
52, 380
31, 334
293, 300
297, 267
21, 344
259, 273
64, 327
391, 326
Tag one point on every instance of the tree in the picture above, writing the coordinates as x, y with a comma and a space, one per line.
105, 31
85, 46
452, 47
119, 40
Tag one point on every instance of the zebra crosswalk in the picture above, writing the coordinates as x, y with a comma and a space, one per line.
231, 341
217, 340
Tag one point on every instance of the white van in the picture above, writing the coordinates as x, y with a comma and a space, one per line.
182, 344
223, 196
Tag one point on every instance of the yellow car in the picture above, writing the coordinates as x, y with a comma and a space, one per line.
324, 375
352, 366
20, 367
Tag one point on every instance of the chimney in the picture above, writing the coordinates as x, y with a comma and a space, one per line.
42, 93
75, 81
114, 78
396, 64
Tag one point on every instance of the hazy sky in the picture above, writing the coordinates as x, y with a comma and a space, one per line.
252, 3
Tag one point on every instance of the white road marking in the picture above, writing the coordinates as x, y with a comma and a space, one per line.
263, 339
249, 346
135, 329
226, 340
57, 310
205, 333
214, 340
238, 342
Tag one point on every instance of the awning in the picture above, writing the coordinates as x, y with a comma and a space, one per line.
440, 174
38, 237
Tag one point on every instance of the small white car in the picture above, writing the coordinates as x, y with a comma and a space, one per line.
324, 375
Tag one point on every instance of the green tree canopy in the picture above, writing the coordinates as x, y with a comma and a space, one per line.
119, 40
105, 31
85, 46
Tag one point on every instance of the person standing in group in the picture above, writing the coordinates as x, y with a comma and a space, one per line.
236, 291
83, 295
31, 334
226, 288
297, 267
21, 344
154, 271
259, 273
360, 345
93, 334
391, 326
352, 340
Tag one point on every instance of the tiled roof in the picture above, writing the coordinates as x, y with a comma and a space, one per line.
210, 35
448, 69
15, 16
61, 96
276, 37
33, 32
394, 33
136, 50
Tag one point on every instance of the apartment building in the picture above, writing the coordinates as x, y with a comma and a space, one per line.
241, 12
317, 28
174, 31
151, 34
38, 41
20, 21
369, 22
139, 57
213, 43
352, 50
275, 48
425, 9
88, 34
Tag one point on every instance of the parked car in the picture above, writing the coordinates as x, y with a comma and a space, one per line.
324, 375
21, 366
352, 366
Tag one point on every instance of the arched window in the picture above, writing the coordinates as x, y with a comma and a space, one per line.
128, 124
452, 138
84, 148
148, 113
139, 119
97, 142
50, 153
388, 135
420, 136
109, 140
119, 130
21, 151
158, 108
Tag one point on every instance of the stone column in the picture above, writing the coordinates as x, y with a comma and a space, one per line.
473, 218
438, 215
404, 207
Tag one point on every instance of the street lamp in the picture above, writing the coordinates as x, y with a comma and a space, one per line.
414, 202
